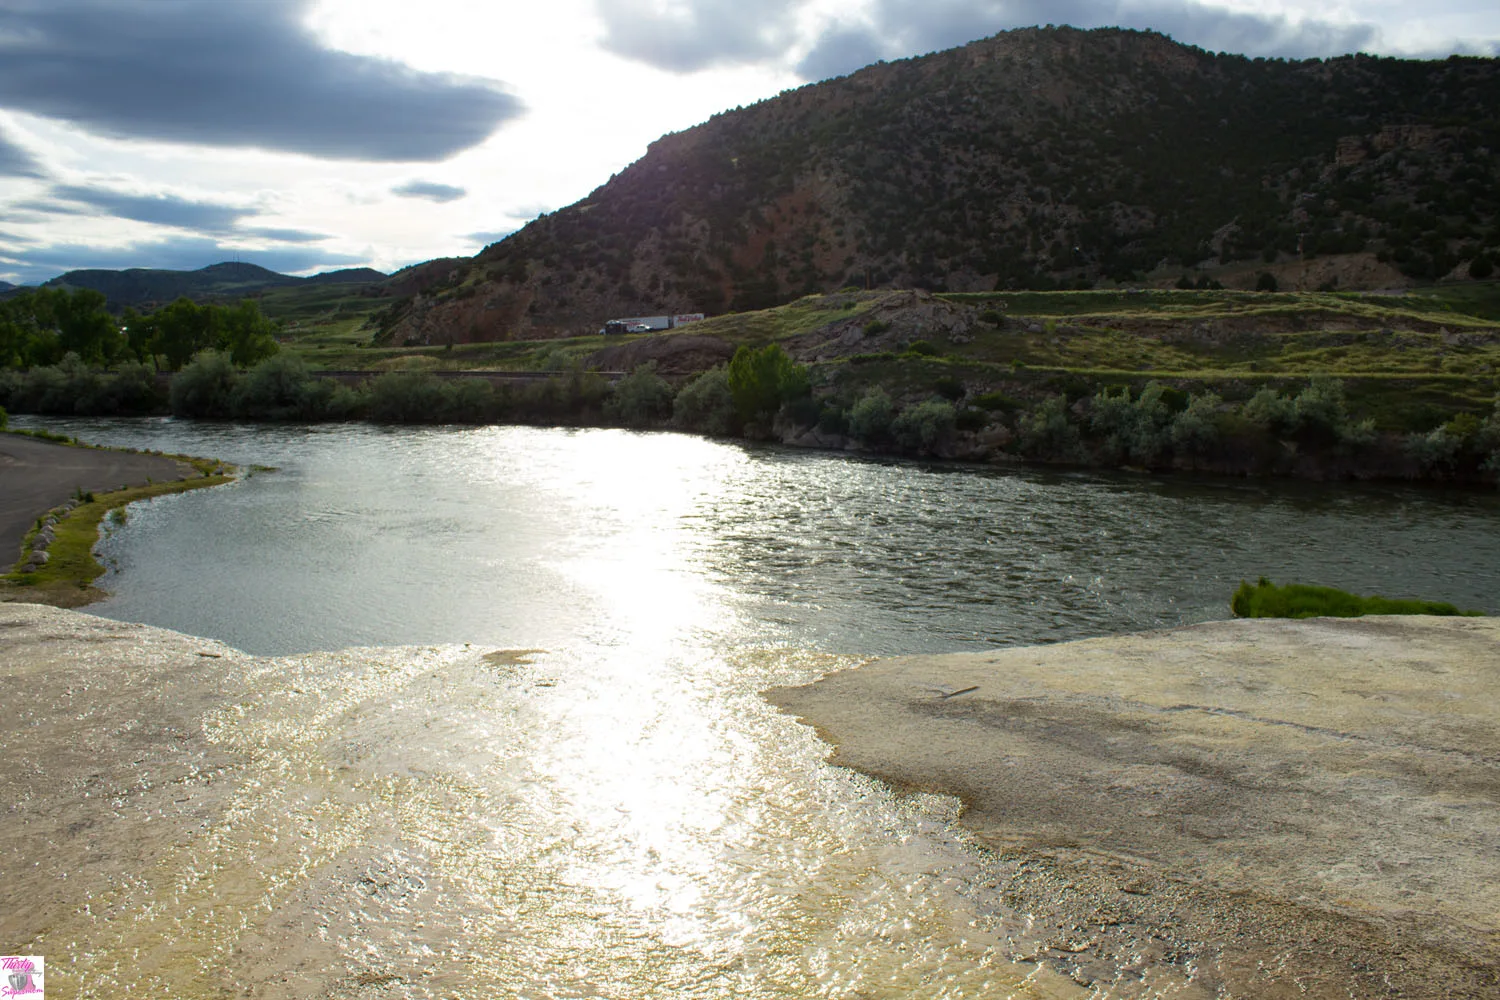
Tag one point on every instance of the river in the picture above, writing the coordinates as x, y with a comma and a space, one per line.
623, 814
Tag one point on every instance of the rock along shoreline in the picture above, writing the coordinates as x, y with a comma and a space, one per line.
1285, 808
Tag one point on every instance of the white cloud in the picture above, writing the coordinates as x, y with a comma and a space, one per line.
598, 79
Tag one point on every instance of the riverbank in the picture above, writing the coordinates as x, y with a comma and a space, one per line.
1266, 809
1301, 808
53, 497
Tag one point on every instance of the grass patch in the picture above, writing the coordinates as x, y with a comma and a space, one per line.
66, 580
1296, 600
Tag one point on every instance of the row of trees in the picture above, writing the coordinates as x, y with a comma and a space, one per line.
762, 393
40, 327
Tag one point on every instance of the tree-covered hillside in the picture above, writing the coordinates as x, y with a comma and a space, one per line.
1040, 158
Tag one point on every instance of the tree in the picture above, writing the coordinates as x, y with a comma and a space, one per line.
182, 330
84, 326
762, 380
140, 332
1266, 282
243, 333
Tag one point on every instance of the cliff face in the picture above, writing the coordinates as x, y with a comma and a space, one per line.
1037, 158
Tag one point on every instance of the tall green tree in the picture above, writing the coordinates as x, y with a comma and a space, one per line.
84, 325
244, 333
39, 326
182, 329
762, 380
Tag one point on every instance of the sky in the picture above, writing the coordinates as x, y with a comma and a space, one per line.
308, 135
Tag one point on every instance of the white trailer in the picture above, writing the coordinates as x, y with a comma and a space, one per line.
649, 324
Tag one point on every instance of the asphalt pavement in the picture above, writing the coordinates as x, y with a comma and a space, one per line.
37, 475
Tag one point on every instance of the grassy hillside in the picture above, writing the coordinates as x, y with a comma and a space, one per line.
1408, 362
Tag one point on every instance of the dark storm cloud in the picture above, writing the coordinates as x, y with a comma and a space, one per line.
37, 210
902, 28
698, 34
430, 190
185, 253
232, 74
15, 161
160, 209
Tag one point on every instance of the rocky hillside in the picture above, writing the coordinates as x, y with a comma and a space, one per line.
1040, 158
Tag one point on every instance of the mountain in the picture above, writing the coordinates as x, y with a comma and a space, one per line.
151, 287
348, 276
1038, 158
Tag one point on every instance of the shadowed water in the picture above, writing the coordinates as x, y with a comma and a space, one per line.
619, 813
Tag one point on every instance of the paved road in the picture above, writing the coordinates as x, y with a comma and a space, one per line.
38, 475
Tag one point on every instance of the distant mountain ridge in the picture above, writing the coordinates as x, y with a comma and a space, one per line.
1038, 158
140, 286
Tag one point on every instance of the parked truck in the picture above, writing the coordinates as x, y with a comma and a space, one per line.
647, 324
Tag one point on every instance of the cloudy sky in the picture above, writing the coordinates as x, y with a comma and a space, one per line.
305, 135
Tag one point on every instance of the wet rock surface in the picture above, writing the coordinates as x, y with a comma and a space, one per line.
1281, 808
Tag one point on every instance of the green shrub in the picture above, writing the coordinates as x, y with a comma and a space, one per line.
993, 401
407, 398
870, 419
1138, 431
971, 419
1320, 410
275, 389
801, 411
4, 419
1435, 451
1266, 600
469, 401
1049, 431
1266, 282
991, 317
641, 399
922, 349
949, 388
1271, 412
876, 327
925, 427
833, 420
762, 380
1195, 431
204, 387
706, 405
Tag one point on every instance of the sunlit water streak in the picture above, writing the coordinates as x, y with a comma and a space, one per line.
620, 814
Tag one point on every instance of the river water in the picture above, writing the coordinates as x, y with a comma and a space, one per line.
619, 813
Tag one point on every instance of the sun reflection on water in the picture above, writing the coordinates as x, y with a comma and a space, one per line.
618, 813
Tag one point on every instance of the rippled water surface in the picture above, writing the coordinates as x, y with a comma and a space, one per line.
618, 813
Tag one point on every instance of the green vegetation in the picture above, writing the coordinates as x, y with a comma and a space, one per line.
762, 381
44, 326
66, 579
706, 405
1297, 384
1295, 600
640, 399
